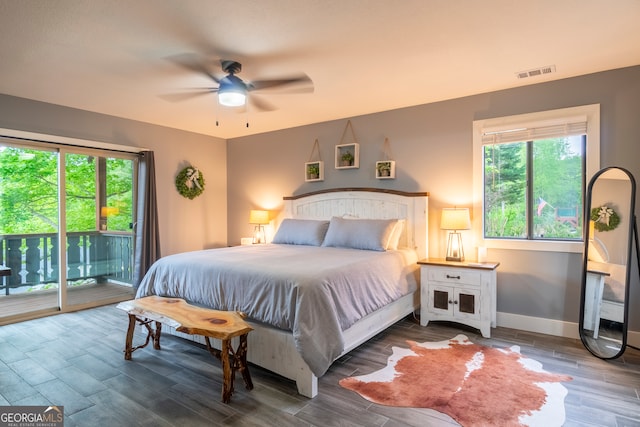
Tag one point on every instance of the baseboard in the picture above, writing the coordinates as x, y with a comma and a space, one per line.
550, 327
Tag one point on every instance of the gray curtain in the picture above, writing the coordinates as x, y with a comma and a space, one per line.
147, 247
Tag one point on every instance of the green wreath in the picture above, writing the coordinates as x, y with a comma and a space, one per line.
604, 218
190, 182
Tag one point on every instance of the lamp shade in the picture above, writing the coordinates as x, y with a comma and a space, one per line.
259, 217
455, 219
107, 211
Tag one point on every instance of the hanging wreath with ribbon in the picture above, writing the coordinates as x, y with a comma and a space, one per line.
604, 218
190, 182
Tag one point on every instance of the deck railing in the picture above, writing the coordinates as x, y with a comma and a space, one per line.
33, 259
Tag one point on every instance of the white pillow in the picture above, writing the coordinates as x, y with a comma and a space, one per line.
368, 234
301, 232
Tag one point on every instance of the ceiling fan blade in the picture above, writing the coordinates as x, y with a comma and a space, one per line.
188, 94
261, 104
269, 84
193, 62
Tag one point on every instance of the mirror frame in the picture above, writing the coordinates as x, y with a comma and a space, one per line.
632, 238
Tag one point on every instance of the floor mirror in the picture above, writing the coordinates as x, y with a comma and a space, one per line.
610, 248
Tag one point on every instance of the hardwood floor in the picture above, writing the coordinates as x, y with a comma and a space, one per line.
75, 360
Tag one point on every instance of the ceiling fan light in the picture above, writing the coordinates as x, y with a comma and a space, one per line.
232, 98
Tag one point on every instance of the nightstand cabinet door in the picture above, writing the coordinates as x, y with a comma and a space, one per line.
440, 300
454, 301
466, 303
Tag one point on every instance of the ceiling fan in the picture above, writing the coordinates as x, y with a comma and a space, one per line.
232, 90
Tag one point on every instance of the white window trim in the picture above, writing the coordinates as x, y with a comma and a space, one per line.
592, 114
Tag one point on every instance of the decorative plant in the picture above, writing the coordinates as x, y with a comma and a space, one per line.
384, 168
190, 182
347, 157
604, 218
313, 170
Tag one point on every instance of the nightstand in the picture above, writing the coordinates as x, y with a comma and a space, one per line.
462, 292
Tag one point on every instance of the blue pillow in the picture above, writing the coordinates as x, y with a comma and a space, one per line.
308, 232
368, 234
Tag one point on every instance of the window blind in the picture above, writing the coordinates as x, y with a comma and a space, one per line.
531, 133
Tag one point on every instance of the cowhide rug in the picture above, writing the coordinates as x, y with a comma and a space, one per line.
473, 384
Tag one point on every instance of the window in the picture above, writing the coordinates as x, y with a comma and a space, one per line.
68, 206
530, 172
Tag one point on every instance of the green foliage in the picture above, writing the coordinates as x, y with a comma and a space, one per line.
120, 193
185, 185
509, 222
557, 177
81, 192
29, 191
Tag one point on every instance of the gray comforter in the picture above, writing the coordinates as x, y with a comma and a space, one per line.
315, 292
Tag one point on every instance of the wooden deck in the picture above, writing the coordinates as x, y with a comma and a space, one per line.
16, 308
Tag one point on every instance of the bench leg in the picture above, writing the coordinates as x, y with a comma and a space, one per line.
232, 361
128, 347
228, 373
240, 362
156, 335
151, 334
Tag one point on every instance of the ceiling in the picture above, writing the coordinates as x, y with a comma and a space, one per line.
117, 57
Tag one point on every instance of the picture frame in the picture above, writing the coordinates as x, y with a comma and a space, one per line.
385, 169
347, 156
314, 171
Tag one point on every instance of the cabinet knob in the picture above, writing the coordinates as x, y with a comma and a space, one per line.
453, 277
451, 302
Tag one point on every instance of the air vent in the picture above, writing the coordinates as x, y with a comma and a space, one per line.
536, 72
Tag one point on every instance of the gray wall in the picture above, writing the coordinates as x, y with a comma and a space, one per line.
184, 224
432, 146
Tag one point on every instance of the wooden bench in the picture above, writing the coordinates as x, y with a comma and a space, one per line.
189, 319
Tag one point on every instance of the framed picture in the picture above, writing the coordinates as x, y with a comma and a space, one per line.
348, 156
314, 171
385, 169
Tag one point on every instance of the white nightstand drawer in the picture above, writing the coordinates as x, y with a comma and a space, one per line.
446, 275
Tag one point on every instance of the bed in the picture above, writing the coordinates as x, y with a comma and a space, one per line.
341, 269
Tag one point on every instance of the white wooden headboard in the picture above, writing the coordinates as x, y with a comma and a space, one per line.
370, 203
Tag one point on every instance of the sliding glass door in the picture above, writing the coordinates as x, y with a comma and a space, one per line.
98, 222
64, 206
29, 229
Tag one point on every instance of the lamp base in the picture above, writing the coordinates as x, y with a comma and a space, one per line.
455, 252
258, 235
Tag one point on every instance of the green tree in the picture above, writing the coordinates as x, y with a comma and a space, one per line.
505, 190
29, 191
556, 182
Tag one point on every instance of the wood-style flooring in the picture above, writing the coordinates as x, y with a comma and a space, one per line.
75, 360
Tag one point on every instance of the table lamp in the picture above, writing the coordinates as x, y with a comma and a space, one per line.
259, 218
455, 219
